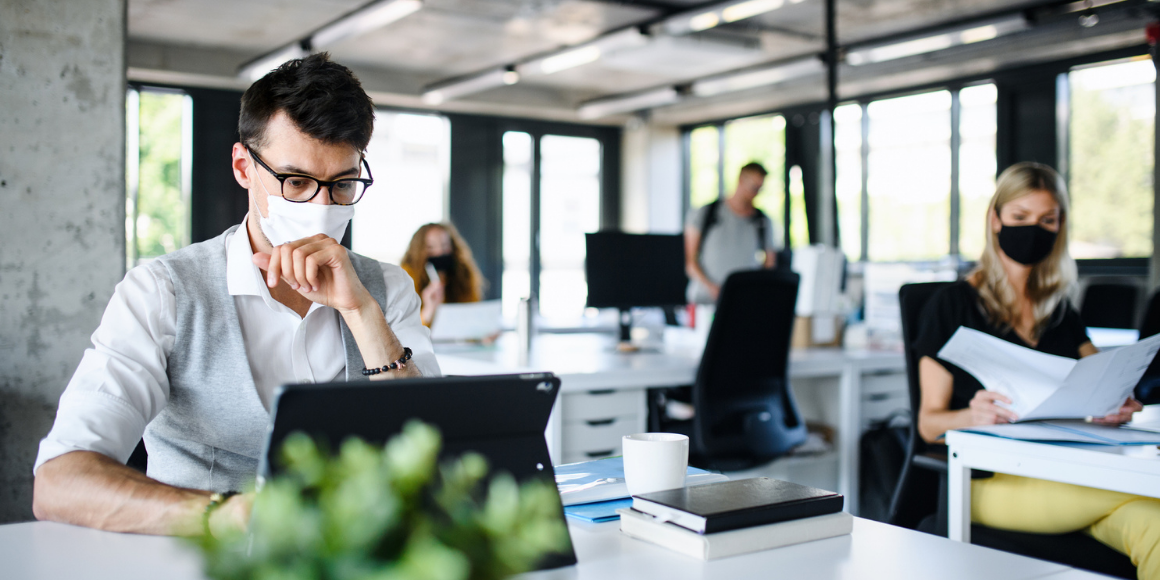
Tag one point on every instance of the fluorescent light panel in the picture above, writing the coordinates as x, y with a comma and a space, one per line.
585, 53
757, 78
698, 20
611, 106
443, 92
370, 17
967, 35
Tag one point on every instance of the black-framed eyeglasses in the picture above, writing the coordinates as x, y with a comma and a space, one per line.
300, 188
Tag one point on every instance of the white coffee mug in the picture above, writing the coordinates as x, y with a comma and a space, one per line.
655, 461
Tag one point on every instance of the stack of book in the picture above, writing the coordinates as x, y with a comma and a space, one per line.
735, 517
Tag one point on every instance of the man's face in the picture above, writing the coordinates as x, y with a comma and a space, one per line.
288, 150
749, 184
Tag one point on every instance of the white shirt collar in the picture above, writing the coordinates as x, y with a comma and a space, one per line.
243, 278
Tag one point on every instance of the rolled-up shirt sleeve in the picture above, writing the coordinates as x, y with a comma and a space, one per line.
403, 317
121, 382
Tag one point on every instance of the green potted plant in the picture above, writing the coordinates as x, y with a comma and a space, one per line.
389, 513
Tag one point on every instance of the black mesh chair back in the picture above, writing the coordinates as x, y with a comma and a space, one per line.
746, 414
1150, 323
1110, 305
916, 495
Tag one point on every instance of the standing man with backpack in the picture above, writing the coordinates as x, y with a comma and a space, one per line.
726, 236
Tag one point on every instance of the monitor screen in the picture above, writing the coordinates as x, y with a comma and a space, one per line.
627, 270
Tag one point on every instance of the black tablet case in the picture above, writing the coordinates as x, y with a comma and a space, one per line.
501, 417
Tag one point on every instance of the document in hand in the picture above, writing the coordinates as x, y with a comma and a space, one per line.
1044, 386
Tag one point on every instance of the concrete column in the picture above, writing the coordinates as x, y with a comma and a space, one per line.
62, 226
651, 191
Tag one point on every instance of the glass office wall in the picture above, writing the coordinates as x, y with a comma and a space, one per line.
409, 157
1111, 135
909, 177
159, 166
977, 165
569, 208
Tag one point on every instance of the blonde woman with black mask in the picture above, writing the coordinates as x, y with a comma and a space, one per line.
1018, 293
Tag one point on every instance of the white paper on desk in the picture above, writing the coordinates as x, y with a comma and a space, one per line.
1068, 431
1043, 386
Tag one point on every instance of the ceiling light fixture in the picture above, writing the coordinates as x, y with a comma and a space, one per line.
585, 53
761, 77
698, 20
440, 93
978, 32
604, 107
370, 17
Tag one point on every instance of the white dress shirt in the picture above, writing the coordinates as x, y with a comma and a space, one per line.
121, 383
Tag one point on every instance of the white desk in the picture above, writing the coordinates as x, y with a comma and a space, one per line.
1131, 469
595, 377
49, 551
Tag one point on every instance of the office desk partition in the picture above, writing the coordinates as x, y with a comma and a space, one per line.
603, 391
1131, 469
51, 551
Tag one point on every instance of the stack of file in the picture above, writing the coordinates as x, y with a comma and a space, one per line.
735, 517
592, 491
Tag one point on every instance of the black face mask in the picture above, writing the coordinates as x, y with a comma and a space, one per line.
442, 263
1027, 245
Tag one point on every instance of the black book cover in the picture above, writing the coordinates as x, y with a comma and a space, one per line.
730, 505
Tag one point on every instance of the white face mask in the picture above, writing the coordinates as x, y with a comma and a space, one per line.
289, 221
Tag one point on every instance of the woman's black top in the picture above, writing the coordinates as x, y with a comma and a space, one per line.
959, 305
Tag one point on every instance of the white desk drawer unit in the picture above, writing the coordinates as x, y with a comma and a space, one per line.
595, 421
883, 393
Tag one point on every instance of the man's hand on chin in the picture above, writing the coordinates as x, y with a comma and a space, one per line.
318, 268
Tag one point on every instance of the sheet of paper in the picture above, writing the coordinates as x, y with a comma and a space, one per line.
1100, 383
1027, 376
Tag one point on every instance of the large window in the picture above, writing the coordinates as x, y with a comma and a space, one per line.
977, 166
909, 177
895, 181
551, 198
1111, 140
409, 156
848, 187
718, 152
158, 172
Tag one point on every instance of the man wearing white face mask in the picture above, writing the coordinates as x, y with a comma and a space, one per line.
192, 345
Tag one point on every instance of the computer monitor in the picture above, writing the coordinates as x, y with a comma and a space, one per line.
630, 270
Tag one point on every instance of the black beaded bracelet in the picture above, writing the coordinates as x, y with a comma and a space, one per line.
399, 364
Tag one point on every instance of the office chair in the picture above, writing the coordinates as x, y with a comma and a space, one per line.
919, 501
745, 411
1110, 302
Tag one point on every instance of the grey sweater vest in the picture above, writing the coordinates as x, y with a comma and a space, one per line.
211, 433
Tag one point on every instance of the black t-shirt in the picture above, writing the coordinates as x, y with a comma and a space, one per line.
959, 305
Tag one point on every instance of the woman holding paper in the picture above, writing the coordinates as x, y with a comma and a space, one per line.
1018, 293
440, 263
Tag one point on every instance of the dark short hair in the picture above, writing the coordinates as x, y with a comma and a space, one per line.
323, 98
754, 167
